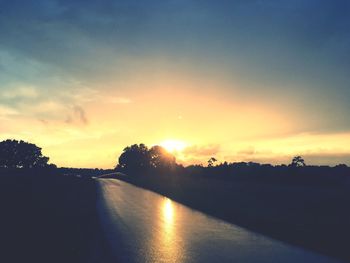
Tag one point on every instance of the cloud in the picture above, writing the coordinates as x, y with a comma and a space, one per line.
201, 151
6, 111
282, 158
290, 55
327, 158
20, 92
47, 106
44, 122
247, 151
80, 113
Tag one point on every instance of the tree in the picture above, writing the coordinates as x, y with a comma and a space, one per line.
138, 158
161, 158
211, 162
298, 161
134, 158
20, 154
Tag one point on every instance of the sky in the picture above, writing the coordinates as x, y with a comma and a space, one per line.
243, 80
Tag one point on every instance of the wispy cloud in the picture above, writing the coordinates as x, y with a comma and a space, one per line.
247, 151
80, 113
20, 92
201, 151
6, 111
76, 115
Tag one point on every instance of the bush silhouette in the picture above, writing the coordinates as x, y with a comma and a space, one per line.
20, 154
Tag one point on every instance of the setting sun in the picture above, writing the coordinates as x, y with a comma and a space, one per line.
173, 145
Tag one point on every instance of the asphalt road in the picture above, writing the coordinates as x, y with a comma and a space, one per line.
142, 226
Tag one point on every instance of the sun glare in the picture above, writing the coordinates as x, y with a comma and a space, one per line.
173, 145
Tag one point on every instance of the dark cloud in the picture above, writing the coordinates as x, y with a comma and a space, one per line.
262, 37
75, 26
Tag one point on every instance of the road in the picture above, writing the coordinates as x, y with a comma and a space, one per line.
142, 226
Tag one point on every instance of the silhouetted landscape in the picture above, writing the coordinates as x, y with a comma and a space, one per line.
303, 205
52, 211
47, 214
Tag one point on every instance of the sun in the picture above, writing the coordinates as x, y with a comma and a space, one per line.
173, 145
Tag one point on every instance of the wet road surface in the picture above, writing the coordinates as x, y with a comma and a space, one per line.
142, 226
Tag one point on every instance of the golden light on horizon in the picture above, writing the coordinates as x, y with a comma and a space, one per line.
192, 139
173, 145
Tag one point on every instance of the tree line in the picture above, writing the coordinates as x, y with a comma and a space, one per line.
135, 159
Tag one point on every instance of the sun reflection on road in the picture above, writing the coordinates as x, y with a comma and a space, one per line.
167, 235
170, 250
168, 212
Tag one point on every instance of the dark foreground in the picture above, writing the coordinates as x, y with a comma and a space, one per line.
143, 226
47, 217
310, 212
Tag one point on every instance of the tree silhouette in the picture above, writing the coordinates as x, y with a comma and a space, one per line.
20, 154
211, 162
134, 158
138, 158
161, 158
298, 161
